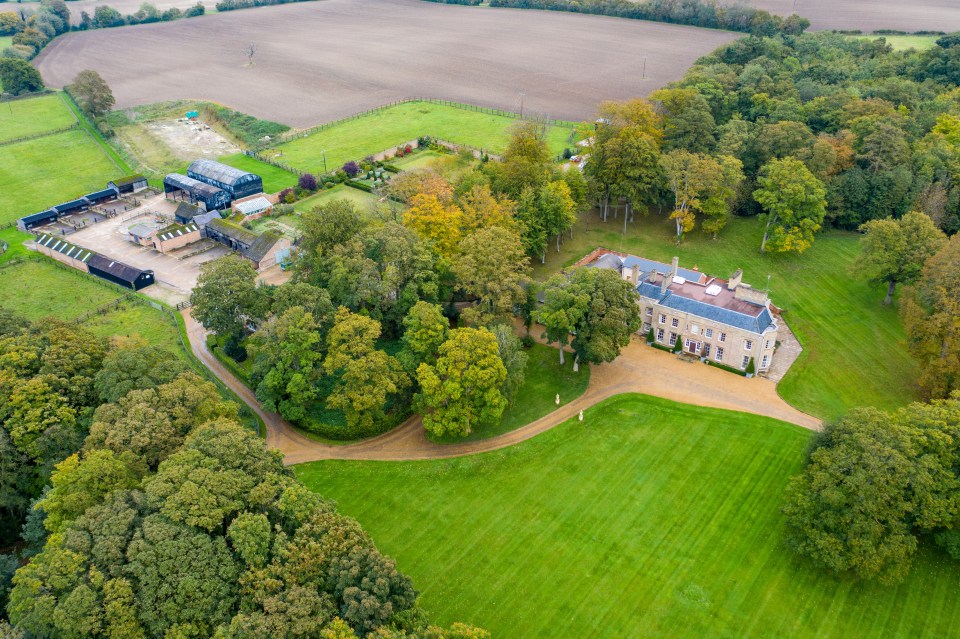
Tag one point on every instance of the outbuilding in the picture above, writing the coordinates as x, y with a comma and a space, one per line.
119, 273
106, 195
34, 220
254, 207
264, 250
186, 212
73, 206
63, 251
211, 198
129, 183
237, 183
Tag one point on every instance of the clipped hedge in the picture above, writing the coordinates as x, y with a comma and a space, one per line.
359, 185
724, 367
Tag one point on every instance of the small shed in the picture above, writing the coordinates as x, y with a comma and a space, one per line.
177, 185
106, 195
42, 218
186, 212
119, 273
73, 206
129, 183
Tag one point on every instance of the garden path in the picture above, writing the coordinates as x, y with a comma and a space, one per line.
639, 369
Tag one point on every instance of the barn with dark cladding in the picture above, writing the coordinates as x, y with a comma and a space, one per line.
184, 188
237, 183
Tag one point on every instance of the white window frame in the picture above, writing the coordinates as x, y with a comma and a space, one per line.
745, 361
768, 344
723, 337
708, 333
659, 334
675, 322
748, 344
765, 361
649, 312
673, 338
718, 354
694, 329
663, 318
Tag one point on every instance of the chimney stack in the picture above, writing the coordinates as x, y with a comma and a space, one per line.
675, 265
735, 279
635, 274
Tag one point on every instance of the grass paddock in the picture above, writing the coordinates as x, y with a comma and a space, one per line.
33, 116
371, 134
649, 519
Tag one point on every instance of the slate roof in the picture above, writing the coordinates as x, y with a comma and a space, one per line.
233, 231
726, 316
49, 214
219, 172
60, 245
187, 210
176, 230
647, 267
115, 268
261, 246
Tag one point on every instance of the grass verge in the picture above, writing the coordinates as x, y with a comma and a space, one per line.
855, 351
649, 519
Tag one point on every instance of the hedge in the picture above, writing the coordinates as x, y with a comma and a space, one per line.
731, 369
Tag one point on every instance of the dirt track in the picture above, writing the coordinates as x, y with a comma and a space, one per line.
630, 373
318, 61
868, 15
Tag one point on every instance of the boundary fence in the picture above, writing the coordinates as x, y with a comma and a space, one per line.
42, 134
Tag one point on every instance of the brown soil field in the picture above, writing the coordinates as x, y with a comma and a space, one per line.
869, 15
318, 61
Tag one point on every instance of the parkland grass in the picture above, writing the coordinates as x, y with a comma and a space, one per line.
649, 519
34, 116
855, 351
274, 178
39, 173
13, 239
544, 379
376, 132
361, 199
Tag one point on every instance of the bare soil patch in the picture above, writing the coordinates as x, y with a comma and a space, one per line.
869, 15
191, 140
318, 61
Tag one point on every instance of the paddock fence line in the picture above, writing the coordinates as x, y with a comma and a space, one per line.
42, 134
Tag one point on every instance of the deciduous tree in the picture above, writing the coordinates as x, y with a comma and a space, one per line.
894, 251
795, 204
226, 297
564, 306
492, 267
288, 352
611, 318
135, 367
92, 93
462, 391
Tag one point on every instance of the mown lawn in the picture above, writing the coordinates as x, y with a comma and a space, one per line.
371, 134
855, 350
417, 160
361, 199
543, 381
39, 173
274, 179
21, 118
14, 240
38, 289
649, 519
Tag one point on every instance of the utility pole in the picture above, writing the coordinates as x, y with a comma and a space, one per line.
324, 154
521, 104
644, 68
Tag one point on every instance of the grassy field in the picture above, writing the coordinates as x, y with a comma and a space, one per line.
42, 172
418, 160
38, 289
854, 348
649, 519
14, 240
544, 380
274, 179
370, 134
361, 199
22, 118
904, 42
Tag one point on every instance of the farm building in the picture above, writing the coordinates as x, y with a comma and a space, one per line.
726, 321
254, 207
118, 272
63, 251
129, 184
186, 212
264, 250
209, 197
237, 183
106, 195
163, 239
42, 218
73, 206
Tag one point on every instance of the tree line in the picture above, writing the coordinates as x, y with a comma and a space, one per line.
147, 510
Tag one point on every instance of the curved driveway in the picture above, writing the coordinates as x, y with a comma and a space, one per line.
639, 369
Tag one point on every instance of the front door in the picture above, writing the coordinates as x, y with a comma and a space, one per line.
693, 346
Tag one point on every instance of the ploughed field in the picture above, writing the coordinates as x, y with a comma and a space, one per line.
319, 61
868, 15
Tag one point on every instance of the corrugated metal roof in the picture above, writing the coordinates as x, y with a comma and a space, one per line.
42, 215
120, 270
220, 172
186, 183
255, 205
64, 247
